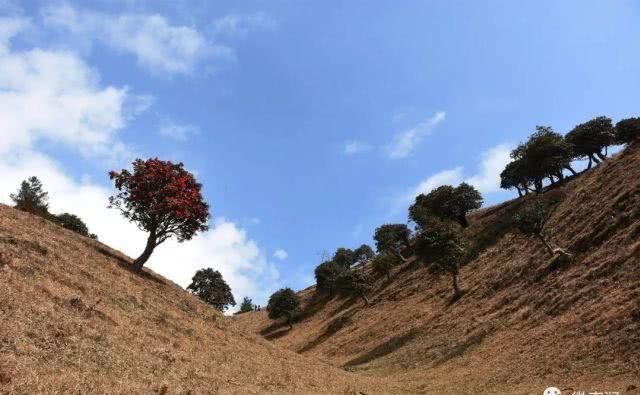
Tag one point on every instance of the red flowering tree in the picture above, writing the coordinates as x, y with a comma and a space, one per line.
163, 199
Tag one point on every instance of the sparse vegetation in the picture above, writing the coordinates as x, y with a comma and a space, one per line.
163, 199
363, 254
344, 258
442, 245
208, 285
531, 220
284, 303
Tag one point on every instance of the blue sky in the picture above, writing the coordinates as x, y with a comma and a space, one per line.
308, 122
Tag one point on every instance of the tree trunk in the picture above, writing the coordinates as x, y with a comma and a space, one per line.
590, 163
602, 157
454, 280
146, 254
400, 255
568, 167
546, 244
595, 160
366, 300
553, 182
519, 192
463, 221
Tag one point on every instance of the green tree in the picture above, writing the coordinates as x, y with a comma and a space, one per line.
208, 285
445, 202
326, 274
442, 244
392, 238
354, 283
284, 303
363, 254
591, 138
32, 198
531, 220
383, 263
344, 258
73, 223
246, 305
628, 131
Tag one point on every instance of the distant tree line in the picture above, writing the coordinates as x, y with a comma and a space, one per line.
547, 154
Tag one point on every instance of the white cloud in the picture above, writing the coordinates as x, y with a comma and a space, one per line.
226, 247
451, 177
487, 180
405, 142
177, 131
356, 147
157, 45
235, 25
55, 96
493, 162
280, 254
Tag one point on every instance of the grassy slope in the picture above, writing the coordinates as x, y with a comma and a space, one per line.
523, 323
73, 319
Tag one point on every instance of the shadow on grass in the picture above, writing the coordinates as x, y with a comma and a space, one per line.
384, 349
125, 263
333, 328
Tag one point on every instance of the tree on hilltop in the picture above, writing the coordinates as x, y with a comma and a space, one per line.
442, 245
392, 238
31, 197
628, 131
208, 285
363, 254
445, 202
591, 138
163, 199
326, 274
284, 303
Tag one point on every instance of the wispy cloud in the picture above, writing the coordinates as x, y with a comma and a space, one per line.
157, 44
176, 131
235, 25
406, 141
486, 180
356, 147
280, 254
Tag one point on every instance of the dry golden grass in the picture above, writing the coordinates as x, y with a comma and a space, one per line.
525, 321
74, 319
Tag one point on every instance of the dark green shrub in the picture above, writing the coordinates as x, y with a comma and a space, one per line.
326, 274
73, 223
445, 202
32, 198
383, 263
209, 286
354, 283
284, 303
628, 130
392, 238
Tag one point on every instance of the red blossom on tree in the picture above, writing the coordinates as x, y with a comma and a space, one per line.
162, 198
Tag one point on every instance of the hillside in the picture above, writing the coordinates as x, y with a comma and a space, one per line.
74, 319
525, 320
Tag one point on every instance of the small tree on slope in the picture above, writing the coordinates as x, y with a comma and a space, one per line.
628, 131
31, 197
284, 303
354, 283
383, 263
163, 199
442, 244
531, 220
246, 305
208, 285
363, 254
